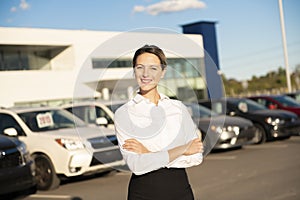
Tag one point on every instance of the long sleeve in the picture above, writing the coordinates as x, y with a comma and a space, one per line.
159, 128
140, 163
191, 132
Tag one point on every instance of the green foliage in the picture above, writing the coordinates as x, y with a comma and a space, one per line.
268, 82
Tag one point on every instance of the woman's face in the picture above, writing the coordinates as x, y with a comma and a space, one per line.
148, 71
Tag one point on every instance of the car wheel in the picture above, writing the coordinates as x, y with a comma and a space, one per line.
260, 134
45, 173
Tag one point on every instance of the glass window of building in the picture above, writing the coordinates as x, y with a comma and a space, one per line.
27, 57
180, 67
102, 63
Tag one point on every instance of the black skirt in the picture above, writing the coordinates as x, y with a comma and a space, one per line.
162, 184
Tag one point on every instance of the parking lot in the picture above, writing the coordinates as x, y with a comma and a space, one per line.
262, 172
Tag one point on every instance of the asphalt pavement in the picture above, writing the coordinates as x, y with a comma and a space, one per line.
269, 171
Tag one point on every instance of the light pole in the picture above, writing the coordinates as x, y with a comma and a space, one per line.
286, 60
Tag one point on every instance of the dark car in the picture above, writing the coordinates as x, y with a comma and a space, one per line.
17, 169
294, 95
270, 124
221, 131
283, 102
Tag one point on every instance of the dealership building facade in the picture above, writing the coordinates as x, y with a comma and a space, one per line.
48, 66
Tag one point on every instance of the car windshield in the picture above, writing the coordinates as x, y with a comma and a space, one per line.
114, 107
247, 105
198, 111
287, 101
48, 120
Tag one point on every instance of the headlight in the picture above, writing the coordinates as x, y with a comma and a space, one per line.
70, 144
274, 121
220, 129
234, 129
217, 129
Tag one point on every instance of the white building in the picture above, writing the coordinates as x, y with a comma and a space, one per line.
50, 66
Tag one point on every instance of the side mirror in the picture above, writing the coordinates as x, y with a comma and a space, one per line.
10, 132
102, 121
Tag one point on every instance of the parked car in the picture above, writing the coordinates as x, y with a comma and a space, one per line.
270, 124
61, 144
294, 95
221, 131
95, 112
92, 112
17, 169
283, 102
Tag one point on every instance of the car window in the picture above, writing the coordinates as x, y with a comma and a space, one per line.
297, 97
80, 111
114, 107
7, 121
89, 113
287, 101
198, 111
48, 120
261, 101
247, 105
217, 107
101, 113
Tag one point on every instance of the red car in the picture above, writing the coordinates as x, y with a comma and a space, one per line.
283, 102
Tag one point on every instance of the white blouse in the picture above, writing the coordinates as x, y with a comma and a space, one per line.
159, 128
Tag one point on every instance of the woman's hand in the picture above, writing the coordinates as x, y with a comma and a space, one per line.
135, 146
193, 147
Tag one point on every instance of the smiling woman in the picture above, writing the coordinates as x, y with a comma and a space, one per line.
156, 135
148, 75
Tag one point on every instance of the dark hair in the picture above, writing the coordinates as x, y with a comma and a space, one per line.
151, 49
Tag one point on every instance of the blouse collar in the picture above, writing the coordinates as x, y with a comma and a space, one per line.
138, 98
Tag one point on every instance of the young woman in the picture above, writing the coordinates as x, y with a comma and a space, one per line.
156, 135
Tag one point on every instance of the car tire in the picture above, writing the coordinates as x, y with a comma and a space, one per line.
45, 173
260, 134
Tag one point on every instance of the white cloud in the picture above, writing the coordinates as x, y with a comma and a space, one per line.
13, 9
138, 9
24, 5
167, 6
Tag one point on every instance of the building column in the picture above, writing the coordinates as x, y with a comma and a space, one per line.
212, 69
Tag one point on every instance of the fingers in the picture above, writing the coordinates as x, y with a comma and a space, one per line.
196, 145
199, 134
134, 146
132, 141
130, 145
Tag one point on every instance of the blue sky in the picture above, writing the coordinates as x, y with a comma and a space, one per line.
248, 31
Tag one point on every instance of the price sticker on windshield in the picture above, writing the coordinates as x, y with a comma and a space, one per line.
243, 107
44, 120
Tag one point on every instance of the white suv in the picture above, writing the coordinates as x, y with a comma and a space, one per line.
94, 112
60, 143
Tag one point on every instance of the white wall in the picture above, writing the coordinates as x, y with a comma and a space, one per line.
74, 65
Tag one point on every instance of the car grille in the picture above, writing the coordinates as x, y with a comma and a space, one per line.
106, 157
102, 142
10, 158
247, 133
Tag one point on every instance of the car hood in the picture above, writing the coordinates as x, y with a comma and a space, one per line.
82, 132
275, 113
223, 120
8, 142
